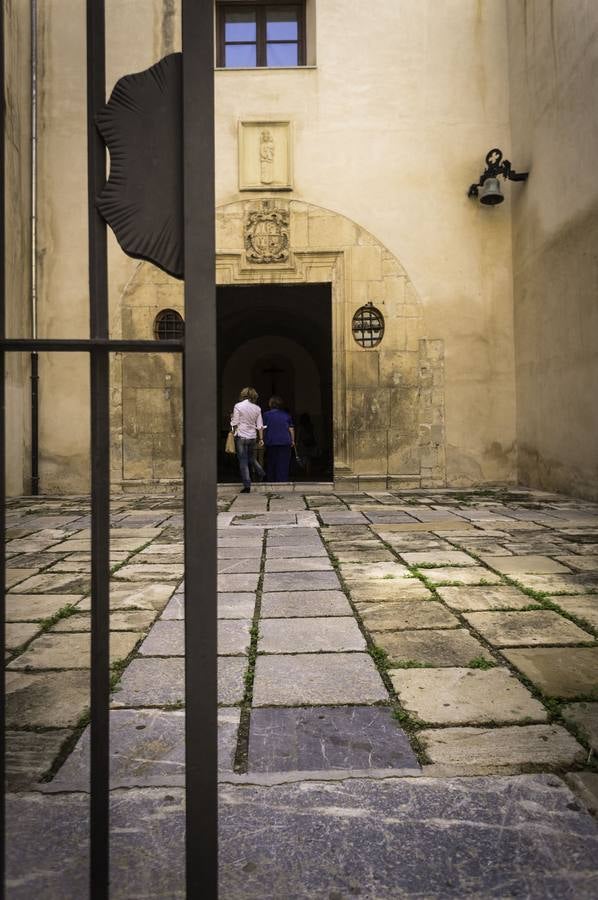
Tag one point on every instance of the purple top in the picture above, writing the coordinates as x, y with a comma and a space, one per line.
277, 423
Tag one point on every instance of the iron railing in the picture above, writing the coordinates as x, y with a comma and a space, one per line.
200, 431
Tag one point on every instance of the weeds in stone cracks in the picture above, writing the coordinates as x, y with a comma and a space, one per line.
67, 746
410, 664
380, 657
45, 625
480, 662
242, 748
125, 562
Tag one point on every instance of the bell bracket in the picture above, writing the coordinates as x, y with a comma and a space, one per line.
495, 166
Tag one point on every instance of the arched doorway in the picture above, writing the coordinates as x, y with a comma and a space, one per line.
278, 339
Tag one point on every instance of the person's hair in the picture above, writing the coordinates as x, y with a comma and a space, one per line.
276, 402
248, 393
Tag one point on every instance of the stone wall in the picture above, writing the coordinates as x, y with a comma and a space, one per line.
388, 133
388, 401
554, 84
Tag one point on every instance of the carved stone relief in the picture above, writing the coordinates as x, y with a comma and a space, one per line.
265, 156
266, 234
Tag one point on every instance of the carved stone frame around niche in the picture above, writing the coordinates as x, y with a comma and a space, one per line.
306, 267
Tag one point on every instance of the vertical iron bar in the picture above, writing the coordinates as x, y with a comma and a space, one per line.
2, 472
34, 423
100, 463
200, 434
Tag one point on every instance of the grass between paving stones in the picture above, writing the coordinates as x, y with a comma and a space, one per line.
553, 705
382, 663
242, 749
45, 625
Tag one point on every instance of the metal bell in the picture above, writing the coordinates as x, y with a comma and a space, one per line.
490, 193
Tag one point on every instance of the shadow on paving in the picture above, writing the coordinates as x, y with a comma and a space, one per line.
523, 836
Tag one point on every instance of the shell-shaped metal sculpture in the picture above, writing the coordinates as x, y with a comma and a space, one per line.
142, 200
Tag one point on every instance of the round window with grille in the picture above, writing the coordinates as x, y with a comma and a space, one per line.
368, 326
169, 325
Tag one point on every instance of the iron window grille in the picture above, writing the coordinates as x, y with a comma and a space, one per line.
169, 325
368, 326
261, 34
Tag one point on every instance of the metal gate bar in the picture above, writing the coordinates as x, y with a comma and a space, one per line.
2, 470
200, 430
99, 813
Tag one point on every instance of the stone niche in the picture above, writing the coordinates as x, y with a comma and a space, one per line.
388, 401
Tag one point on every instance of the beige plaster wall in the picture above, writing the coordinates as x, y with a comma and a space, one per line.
388, 133
18, 232
554, 85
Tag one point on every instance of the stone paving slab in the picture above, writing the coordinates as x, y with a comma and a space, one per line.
521, 836
522, 629
405, 614
317, 679
167, 638
71, 651
303, 564
120, 620
239, 566
394, 589
584, 607
252, 552
235, 605
354, 572
439, 558
18, 633
456, 696
456, 575
136, 596
29, 755
310, 635
501, 596
433, 647
151, 571
157, 681
586, 563
559, 671
305, 581
50, 584
46, 699
296, 551
585, 785
147, 747
238, 583
288, 604
327, 738
511, 748
585, 717
560, 584
525, 564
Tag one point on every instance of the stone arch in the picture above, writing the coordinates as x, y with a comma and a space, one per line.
388, 402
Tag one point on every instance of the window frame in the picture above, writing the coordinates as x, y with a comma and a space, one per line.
261, 43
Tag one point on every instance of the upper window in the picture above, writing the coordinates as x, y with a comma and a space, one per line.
261, 34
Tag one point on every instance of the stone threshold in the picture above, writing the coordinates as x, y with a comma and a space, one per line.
259, 779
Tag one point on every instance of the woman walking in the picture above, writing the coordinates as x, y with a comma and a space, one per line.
248, 427
280, 439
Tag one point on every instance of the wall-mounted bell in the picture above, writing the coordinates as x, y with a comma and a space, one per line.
490, 192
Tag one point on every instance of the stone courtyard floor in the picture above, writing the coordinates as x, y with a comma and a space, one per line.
408, 689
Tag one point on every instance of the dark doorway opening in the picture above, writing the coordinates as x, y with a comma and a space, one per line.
278, 339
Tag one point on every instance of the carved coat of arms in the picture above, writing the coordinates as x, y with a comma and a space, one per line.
267, 236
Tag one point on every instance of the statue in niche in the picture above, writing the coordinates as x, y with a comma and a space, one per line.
266, 157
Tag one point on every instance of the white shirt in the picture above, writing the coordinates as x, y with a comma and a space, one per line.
247, 418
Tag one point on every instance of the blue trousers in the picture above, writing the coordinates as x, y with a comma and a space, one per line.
247, 460
278, 461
